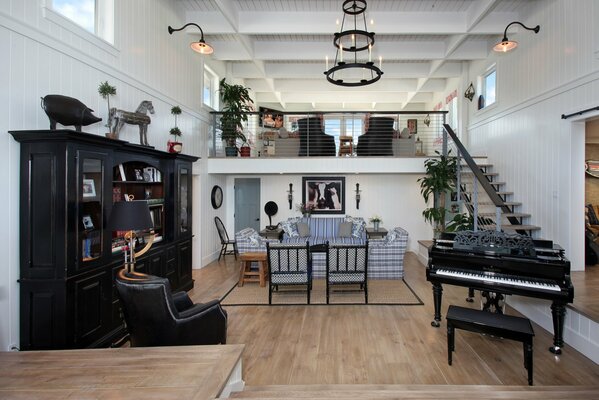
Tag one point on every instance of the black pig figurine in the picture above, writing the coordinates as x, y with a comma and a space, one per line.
67, 111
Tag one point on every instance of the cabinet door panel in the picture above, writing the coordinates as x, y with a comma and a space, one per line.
184, 264
156, 264
42, 315
91, 312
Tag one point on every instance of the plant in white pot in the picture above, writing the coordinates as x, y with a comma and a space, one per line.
376, 221
236, 103
175, 146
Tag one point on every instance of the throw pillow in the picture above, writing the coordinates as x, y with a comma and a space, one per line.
283, 134
290, 227
345, 229
358, 226
391, 235
255, 239
303, 229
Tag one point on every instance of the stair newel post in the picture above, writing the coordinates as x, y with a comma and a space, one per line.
475, 202
498, 219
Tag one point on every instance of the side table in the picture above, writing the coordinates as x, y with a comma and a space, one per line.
272, 233
378, 234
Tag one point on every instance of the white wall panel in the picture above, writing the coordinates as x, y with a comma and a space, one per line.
44, 55
536, 152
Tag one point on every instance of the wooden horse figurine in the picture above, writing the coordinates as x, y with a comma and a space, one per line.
119, 117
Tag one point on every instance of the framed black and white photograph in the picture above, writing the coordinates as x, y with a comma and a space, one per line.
325, 195
139, 176
88, 224
89, 188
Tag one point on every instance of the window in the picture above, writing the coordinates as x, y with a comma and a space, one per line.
95, 16
209, 97
488, 86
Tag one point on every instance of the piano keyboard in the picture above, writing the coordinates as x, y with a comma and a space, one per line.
499, 279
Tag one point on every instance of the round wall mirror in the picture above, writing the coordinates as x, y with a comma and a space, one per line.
270, 208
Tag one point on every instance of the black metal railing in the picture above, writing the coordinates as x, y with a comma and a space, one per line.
331, 134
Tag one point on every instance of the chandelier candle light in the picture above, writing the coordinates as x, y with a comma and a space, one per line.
354, 71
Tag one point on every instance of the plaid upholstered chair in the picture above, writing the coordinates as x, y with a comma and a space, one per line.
348, 264
289, 264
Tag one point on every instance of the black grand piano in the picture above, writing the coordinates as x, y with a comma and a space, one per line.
498, 262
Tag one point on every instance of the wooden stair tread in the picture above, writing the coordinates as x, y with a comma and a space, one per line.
517, 215
490, 203
510, 227
469, 172
414, 392
499, 193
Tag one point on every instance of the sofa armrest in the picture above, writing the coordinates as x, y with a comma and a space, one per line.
248, 240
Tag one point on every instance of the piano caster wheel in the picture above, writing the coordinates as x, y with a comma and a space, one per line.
555, 350
436, 324
469, 299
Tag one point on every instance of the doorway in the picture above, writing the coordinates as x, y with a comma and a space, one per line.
247, 203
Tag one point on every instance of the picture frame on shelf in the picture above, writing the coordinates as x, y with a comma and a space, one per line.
139, 176
88, 223
412, 126
326, 195
89, 188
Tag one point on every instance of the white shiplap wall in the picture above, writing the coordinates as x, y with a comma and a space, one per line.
44, 55
537, 153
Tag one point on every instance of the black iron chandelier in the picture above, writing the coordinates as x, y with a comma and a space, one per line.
358, 69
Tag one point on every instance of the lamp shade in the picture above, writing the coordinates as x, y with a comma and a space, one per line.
130, 215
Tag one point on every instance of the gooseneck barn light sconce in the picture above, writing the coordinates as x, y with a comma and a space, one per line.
507, 45
290, 195
201, 47
358, 196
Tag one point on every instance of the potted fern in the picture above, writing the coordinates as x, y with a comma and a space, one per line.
106, 90
440, 179
175, 146
236, 104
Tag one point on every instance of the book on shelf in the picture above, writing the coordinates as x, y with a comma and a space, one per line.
155, 201
122, 172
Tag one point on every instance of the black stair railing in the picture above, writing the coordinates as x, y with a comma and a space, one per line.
480, 179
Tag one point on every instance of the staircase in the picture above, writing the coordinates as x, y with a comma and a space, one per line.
484, 196
510, 219
479, 392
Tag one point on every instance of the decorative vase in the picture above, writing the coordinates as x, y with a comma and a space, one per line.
376, 225
231, 151
245, 151
174, 147
306, 215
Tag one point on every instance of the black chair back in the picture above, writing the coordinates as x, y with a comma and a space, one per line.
347, 264
222, 231
378, 139
289, 264
313, 141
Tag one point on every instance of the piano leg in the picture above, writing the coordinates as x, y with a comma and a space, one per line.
437, 297
558, 311
470, 298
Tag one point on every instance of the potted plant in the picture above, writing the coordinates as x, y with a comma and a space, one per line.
440, 178
106, 90
460, 222
236, 104
376, 221
175, 146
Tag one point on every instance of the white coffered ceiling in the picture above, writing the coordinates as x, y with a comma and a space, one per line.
278, 47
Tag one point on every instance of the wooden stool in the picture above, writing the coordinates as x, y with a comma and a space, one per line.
501, 325
246, 274
346, 145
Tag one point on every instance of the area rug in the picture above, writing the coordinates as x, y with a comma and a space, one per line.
380, 292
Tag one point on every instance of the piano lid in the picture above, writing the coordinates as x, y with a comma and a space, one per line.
492, 242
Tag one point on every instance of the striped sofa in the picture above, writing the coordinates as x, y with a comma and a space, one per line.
385, 256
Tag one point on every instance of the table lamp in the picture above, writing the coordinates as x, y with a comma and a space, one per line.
131, 216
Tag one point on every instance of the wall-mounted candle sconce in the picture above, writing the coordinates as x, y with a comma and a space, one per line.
358, 196
290, 195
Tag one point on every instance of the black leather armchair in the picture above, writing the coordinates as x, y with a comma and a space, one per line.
378, 139
156, 317
313, 141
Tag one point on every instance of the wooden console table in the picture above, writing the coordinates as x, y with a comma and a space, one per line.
168, 373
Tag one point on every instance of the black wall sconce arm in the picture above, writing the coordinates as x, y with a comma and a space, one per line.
358, 196
290, 195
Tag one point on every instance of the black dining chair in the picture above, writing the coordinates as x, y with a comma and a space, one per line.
347, 264
224, 240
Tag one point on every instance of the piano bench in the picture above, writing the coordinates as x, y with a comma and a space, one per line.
505, 326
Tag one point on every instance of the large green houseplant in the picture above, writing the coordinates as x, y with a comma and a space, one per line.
439, 180
236, 103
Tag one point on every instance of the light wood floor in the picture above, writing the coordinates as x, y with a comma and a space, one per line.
586, 292
290, 345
